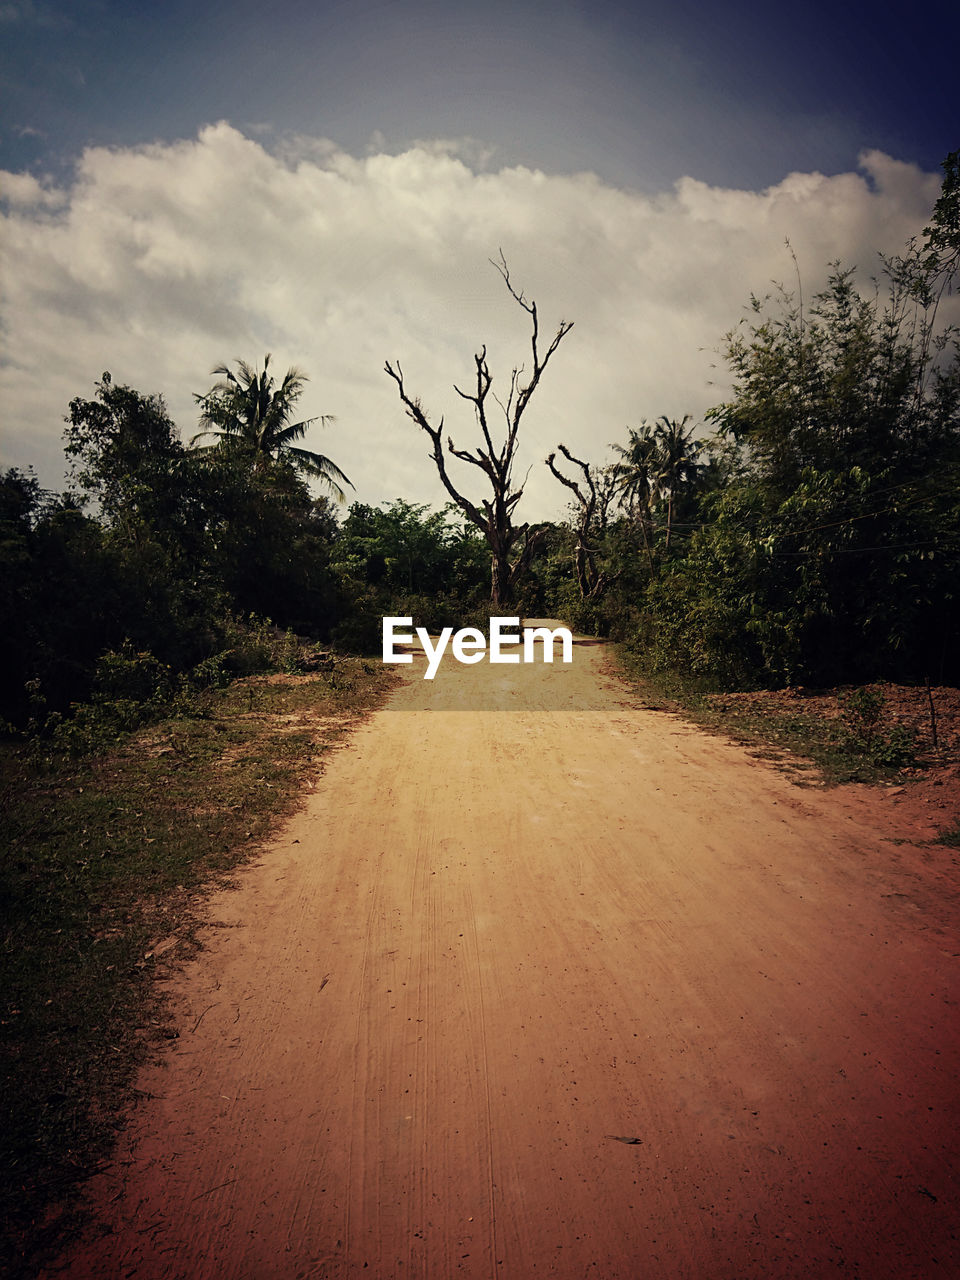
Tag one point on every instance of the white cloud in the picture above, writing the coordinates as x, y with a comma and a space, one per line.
23, 190
161, 261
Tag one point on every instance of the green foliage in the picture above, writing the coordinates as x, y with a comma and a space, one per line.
939, 255
404, 548
662, 469
831, 551
853, 382
60, 592
154, 549
20, 501
404, 561
888, 746
269, 543
861, 710
157, 586
126, 455
249, 414
131, 688
252, 645
894, 749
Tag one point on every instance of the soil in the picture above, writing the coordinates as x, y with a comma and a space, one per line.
543, 983
926, 796
932, 715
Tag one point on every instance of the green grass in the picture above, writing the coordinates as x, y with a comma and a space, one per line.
839, 750
103, 857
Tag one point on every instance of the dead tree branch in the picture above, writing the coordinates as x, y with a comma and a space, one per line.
493, 515
592, 582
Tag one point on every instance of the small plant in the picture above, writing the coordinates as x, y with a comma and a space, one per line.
211, 673
130, 688
130, 676
290, 654
861, 711
895, 748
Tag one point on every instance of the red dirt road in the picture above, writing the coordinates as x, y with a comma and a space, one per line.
565, 988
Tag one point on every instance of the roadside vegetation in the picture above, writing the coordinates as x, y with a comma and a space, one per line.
804, 537
862, 733
107, 853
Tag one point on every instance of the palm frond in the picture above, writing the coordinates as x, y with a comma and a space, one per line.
247, 409
321, 468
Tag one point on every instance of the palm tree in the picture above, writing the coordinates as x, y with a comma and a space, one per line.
247, 411
678, 461
637, 474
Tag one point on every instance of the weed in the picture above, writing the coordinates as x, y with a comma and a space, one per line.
861, 710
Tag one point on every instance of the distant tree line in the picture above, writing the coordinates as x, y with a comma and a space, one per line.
808, 531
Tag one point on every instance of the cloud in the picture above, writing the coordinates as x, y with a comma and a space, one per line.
24, 191
159, 262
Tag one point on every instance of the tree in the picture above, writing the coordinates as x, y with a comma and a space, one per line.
152, 500
940, 253
636, 476
832, 552
592, 582
659, 462
406, 549
246, 411
677, 462
853, 382
636, 473
126, 456
493, 516
21, 499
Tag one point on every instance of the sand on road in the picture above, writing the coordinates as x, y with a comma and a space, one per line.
541, 983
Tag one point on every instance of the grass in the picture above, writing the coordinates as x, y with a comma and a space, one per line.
853, 747
104, 857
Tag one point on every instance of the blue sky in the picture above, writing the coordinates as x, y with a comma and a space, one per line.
182, 184
734, 94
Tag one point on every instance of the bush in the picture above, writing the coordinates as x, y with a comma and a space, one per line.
130, 688
895, 749
252, 644
861, 711
130, 676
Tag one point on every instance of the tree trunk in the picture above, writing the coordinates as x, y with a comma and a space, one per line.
582, 567
501, 592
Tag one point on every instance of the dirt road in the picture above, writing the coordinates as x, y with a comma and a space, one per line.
540, 983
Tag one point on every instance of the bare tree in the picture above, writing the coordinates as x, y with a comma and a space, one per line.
493, 516
592, 501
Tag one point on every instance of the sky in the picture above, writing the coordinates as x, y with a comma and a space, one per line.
186, 184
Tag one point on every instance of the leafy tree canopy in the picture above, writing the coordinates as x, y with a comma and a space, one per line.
248, 412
